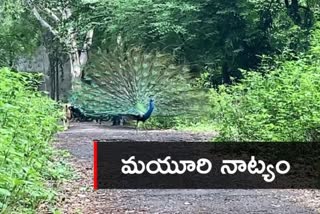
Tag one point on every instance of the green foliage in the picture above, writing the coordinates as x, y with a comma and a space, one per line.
144, 21
28, 121
161, 123
282, 105
119, 82
222, 35
19, 35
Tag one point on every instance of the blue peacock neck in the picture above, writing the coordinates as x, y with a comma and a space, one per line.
149, 111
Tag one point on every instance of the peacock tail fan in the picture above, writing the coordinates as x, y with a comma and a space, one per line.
122, 83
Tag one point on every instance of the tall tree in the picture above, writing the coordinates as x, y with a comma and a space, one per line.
71, 22
220, 35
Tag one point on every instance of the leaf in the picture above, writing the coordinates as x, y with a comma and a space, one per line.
5, 192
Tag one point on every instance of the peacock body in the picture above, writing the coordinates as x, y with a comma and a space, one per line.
136, 84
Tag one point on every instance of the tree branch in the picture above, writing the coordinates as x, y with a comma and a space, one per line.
52, 15
286, 3
66, 13
40, 19
86, 46
43, 22
88, 40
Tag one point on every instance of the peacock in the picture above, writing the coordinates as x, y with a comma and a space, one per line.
142, 117
137, 84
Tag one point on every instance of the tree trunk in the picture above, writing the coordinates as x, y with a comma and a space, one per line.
226, 73
77, 62
75, 66
79, 58
57, 77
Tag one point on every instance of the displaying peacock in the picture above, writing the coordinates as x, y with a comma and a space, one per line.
136, 84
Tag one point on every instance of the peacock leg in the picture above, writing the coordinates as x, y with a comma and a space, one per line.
137, 126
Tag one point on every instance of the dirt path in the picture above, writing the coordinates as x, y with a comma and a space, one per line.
80, 198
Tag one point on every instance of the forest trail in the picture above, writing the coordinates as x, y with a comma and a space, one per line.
79, 196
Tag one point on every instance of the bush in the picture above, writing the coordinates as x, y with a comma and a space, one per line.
282, 105
155, 122
28, 121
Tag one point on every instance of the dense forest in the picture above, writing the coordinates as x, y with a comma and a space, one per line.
248, 69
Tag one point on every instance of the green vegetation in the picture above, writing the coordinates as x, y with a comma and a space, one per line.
28, 121
217, 40
280, 104
19, 35
214, 36
254, 65
279, 101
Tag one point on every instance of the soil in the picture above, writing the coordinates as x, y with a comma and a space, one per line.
77, 195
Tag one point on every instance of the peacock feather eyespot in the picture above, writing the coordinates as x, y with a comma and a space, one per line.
125, 79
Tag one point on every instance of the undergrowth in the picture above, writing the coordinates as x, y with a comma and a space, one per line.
28, 121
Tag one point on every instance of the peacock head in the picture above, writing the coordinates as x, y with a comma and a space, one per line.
151, 98
151, 102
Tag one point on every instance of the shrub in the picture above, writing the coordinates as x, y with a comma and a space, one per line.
160, 123
28, 121
281, 105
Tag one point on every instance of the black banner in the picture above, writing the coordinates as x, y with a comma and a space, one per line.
196, 165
